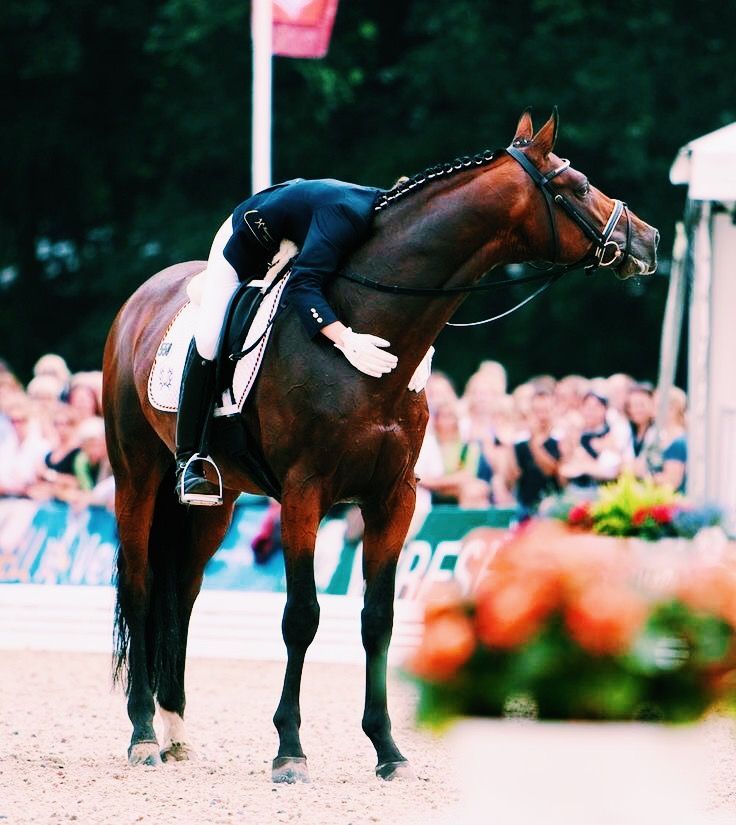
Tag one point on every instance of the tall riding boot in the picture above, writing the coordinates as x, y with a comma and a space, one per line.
192, 425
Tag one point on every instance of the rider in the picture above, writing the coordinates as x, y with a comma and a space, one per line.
326, 219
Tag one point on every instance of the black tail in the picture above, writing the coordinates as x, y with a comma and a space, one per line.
167, 544
120, 633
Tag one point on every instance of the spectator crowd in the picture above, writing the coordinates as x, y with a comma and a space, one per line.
52, 436
490, 446
485, 447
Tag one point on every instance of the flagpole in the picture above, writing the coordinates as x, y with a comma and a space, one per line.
262, 34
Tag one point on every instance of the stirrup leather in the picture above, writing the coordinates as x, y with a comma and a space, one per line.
199, 498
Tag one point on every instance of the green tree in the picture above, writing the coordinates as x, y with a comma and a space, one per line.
127, 142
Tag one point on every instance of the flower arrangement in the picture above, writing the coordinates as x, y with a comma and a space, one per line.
634, 507
568, 629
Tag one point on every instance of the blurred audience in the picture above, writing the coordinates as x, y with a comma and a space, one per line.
569, 393
673, 440
22, 449
85, 394
457, 477
439, 390
573, 433
639, 410
56, 474
476, 407
534, 468
92, 467
55, 366
591, 454
490, 447
52, 438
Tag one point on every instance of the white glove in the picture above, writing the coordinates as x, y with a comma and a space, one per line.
364, 354
418, 381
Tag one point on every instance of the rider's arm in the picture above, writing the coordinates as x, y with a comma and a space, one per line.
330, 238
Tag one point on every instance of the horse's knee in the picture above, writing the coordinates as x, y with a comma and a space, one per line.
300, 622
376, 624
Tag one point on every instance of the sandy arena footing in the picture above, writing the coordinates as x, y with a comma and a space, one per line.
64, 735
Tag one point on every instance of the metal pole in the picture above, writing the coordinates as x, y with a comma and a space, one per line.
262, 34
698, 435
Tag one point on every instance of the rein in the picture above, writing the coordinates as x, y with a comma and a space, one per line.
440, 292
592, 261
549, 278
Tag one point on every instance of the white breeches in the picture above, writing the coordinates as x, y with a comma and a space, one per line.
219, 284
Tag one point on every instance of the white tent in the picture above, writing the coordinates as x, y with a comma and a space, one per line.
708, 167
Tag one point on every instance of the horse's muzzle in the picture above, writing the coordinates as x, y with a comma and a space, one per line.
642, 258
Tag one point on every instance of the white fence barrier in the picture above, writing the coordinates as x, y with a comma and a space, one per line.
225, 624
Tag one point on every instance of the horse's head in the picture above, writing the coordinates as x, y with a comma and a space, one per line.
566, 220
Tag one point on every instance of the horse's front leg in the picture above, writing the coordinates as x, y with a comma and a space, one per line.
386, 525
300, 515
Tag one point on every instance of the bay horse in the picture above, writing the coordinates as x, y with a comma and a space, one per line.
327, 432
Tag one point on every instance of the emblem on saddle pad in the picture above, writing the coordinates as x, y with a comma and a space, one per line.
166, 376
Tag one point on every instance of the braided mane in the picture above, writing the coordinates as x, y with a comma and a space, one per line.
431, 173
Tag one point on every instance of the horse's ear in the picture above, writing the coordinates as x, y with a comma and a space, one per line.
524, 129
545, 139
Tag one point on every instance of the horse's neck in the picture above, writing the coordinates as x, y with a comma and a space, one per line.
433, 240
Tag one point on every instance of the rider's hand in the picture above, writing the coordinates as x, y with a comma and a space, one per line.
365, 354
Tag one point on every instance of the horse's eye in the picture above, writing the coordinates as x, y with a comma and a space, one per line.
583, 190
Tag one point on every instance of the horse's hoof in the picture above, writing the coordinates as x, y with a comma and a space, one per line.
177, 752
144, 753
290, 769
390, 771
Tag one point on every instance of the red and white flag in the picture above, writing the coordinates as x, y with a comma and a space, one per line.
302, 28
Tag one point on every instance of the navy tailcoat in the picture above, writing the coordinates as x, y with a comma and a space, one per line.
327, 219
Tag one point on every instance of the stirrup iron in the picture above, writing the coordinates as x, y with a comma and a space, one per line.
199, 498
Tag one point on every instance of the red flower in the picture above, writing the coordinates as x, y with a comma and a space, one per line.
662, 513
579, 514
640, 516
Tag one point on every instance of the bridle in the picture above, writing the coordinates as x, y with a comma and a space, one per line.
604, 252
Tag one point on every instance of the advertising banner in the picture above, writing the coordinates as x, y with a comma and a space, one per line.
50, 543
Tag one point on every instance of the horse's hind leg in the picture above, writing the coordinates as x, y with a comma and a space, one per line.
205, 530
135, 503
300, 515
386, 525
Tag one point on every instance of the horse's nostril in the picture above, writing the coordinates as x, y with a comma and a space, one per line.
656, 238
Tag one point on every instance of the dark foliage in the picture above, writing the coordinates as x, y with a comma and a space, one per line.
126, 142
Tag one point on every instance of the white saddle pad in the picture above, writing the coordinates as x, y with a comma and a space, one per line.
165, 378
